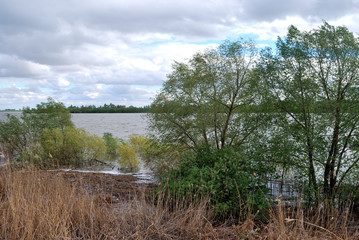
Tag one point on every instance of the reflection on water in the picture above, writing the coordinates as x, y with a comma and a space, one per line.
143, 174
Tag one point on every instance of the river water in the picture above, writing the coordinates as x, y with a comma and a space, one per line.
121, 125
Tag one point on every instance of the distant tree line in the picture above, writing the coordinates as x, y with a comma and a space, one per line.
108, 108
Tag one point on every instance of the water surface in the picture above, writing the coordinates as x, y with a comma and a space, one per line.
121, 125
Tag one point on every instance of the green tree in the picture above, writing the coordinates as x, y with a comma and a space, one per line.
14, 137
20, 138
50, 114
205, 101
206, 114
312, 80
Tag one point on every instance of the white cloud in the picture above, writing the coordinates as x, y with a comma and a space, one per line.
63, 82
97, 52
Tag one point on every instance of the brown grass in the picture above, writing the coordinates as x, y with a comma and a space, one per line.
38, 205
320, 223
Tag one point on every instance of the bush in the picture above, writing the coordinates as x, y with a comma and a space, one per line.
158, 156
70, 147
125, 153
225, 176
50, 114
20, 138
129, 159
111, 146
13, 137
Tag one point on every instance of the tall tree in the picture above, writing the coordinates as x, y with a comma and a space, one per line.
313, 81
204, 101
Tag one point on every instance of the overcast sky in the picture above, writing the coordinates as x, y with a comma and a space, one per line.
119, 51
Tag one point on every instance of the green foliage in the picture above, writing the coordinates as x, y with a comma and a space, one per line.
14, 137
206, 103
129, 159
225, 176
125, 153
108, 108
95, 148
312, 80
71, 147
111, 144
158, 156
50, 114
205, 100
19, 136
45, 137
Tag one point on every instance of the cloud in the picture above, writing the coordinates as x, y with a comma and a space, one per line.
97, 52
12, 66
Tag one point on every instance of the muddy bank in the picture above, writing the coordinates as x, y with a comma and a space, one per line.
108, 187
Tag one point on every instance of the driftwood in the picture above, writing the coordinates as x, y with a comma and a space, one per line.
104, 163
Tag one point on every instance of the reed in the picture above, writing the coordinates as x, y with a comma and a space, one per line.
43, 205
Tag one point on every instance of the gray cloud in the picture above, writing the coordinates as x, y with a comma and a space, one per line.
116, 51
257, 10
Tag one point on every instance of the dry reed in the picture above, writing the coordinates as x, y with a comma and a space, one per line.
40, 205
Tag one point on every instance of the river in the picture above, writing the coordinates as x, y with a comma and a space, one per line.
121, 125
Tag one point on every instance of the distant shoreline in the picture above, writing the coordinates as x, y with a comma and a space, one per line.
15, 111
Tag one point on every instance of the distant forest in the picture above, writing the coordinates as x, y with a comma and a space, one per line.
108, 108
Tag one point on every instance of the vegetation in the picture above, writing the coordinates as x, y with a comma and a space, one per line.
293, 111
45, 137
204, 101
70, 147
231, 183
47, 205
108, 108
158, 156
319, 66
203, 107
125, 153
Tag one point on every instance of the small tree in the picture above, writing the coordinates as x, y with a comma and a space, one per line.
14, 137
20, 138
50, 114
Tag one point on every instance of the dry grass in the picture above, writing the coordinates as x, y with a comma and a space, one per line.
321, 223
37, 205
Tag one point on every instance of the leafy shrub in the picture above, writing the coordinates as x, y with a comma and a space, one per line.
13, 137
129, 159
111, 144
71, 146
50, 114
158, 156
140, 142
20, 137
225, 176
95, 148
125, 153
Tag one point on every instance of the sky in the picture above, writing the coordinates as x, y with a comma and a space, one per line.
120, 51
